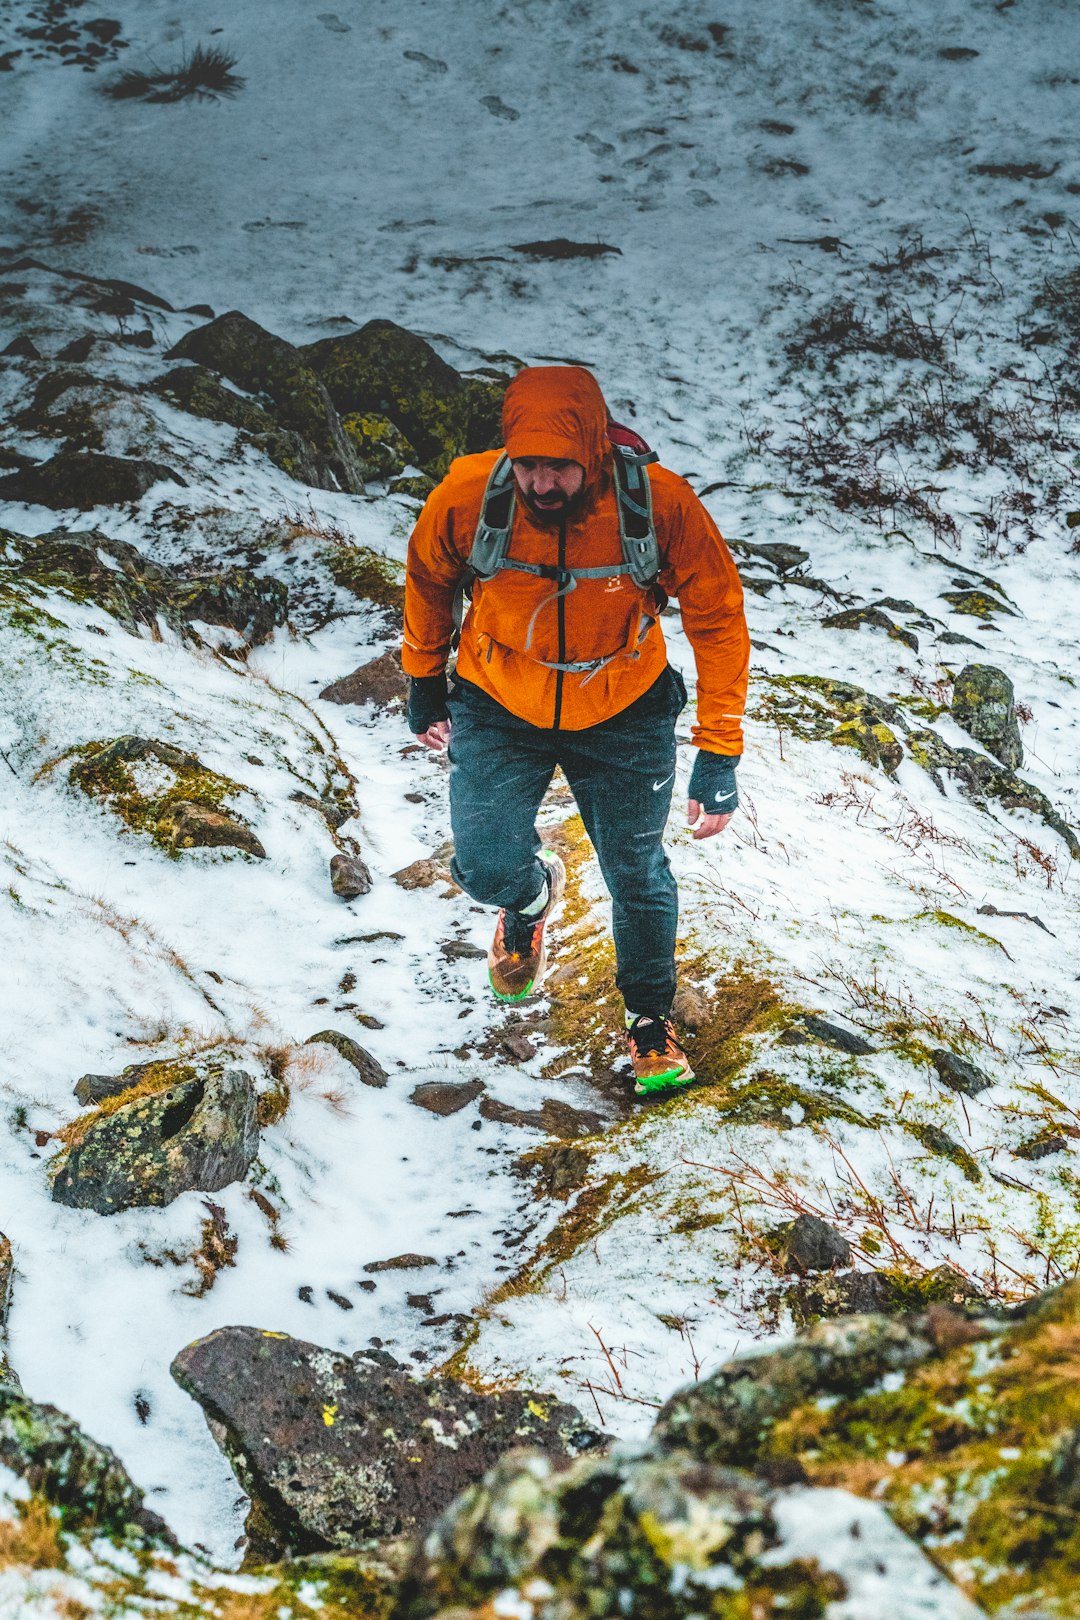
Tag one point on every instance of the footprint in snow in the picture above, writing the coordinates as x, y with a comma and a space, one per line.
497, 106
432, 63
333, 22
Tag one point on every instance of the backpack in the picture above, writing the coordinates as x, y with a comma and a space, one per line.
640, 548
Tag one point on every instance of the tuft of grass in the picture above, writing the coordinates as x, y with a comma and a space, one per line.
207, 74
31, 1540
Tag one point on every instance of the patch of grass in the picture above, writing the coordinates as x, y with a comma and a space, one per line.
157, 1078
206, 74
32, 1539
367, 574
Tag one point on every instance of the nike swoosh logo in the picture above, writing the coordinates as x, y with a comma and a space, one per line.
658, 785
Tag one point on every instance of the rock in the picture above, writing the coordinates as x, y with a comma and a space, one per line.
417, 486
187, 1127
854, 618
983, 704
349, 877
369, 1069
779, 555
810, 1244
422, 874
261, 363
197, 391
1041, 1146
382, 448
555, 1117
462, 950
978, 604
402, 1262
178, 801
85, 479
636, 1534
334, 1449
729, 1416
383, 368
958, 1074
382, 682
136, 591
691, 1008
184, 825
21, 348
844, 1040
95, 1088
444, 1097
980, 779
7, 1266
72, 1472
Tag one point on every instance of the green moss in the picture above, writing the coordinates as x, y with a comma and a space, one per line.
946, 920
816, 709
107, 771
769, 1099
938, 1142
369, 575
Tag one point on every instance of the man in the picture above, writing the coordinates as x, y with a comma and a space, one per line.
562, 662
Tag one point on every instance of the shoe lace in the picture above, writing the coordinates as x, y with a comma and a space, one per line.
518, 933
649, 1034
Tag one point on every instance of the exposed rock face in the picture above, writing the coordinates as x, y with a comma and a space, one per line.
136, 591
184, 1128
184, 825
958, 1073
261, 363
382, 682
811, 1244
984, 704
445, 1097
980, 779
369, 1069
333, 1449
73, 1472
609, 1537
81, 480
854, 618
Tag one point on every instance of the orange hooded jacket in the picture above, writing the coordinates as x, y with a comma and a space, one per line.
517, 621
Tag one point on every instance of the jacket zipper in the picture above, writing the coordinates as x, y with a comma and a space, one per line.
562, 626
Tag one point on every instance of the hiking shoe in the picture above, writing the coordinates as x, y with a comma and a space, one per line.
518, 957
659, 1061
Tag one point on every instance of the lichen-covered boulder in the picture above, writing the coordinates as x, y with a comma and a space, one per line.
984, 705
334, 1448
636, 1534
729, 1417
183, 1127
384, 369
382, 448
197, 390
855, 618
74, 1473
980, 779
261, 363
83, 479
163, 791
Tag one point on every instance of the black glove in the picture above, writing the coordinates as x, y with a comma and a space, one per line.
712, 783
427, 702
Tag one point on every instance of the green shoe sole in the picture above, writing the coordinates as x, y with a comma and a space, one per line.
672, 1080
499, 996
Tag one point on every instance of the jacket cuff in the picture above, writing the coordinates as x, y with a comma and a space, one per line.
712, 783
426, 702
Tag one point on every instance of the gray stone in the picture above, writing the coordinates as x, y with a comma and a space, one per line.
844, 1040
334, 1449
197, 1131
402, 1262
984, 705
81, 480
855, 618
958, 1074
95, 1088
7, 1266
811, 1244
369, 1069
186, 825
349, 877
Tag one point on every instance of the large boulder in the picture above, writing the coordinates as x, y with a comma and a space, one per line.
633, 1534
334, 1448
182, 1127
83, 479
984, 705
266, 365
381, 368
87, 1481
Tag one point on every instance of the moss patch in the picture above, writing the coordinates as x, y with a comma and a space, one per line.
368, 575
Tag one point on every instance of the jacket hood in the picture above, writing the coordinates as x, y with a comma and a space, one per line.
557, 413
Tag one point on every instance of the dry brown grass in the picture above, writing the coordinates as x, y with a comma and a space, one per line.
32, 1539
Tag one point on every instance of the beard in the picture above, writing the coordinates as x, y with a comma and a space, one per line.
555, 508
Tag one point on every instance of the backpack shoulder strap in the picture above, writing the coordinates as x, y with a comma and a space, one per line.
492, 538
637, 531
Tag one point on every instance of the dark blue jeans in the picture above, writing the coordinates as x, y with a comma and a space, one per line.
621, 773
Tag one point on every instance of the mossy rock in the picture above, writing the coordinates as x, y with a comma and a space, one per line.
816, 708
769, 1099
157, 789
266, 365
417, 486
196, 390
80, 480
182, 1127
369, 575
855, 618
981, 779
87, 566
67, 403
943, 1146
984, 705
977, 604
382, 448
384, 369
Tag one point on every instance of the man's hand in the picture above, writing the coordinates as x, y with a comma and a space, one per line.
705, 826
436, 737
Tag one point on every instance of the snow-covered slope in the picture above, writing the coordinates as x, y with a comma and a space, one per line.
837, 299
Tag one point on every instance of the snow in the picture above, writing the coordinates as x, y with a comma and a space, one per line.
379, 165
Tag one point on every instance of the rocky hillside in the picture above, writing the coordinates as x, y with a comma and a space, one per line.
327, 1285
